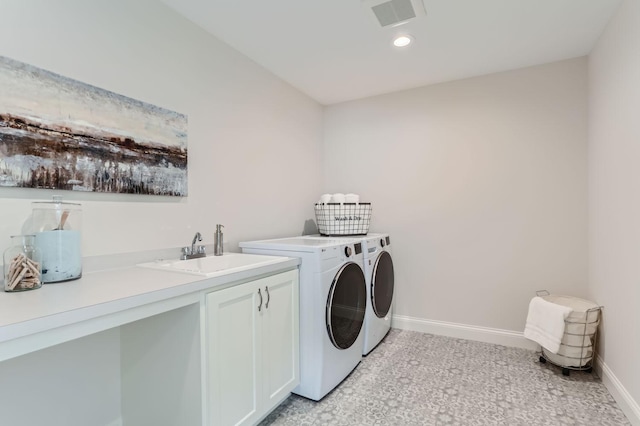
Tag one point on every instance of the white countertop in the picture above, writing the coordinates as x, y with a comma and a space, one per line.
107, 292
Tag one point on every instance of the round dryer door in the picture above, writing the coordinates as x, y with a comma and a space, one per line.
346, 306
382, 285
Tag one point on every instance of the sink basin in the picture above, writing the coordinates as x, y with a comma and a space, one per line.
213, 266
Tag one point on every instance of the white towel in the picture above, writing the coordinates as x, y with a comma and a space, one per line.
545, 323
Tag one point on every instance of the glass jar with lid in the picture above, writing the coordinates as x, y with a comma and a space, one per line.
57, 228
22, 264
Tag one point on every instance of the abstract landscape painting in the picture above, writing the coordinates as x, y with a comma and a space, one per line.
59, 133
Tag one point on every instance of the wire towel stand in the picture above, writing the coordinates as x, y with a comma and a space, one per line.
576, 331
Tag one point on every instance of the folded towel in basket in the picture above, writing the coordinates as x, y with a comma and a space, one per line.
545, 323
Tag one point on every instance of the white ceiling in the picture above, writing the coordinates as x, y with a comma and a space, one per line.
334, 50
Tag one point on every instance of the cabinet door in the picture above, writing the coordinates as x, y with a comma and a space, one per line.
280, 337
234, 363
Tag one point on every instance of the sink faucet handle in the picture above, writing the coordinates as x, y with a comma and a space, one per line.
186, 252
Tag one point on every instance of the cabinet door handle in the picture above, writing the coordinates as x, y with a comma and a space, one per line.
266, 289
260, 305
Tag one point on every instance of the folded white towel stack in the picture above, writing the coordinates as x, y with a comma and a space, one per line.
338, 197
545, 323
325, 198
351, 198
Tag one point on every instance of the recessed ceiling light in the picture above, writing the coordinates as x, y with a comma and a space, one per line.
402, 41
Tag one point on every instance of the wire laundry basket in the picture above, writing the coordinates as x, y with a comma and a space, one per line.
340, 219
578, 345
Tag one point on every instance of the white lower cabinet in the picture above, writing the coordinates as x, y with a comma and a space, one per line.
252, 358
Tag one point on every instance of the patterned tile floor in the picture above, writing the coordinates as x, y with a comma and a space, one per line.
421, 379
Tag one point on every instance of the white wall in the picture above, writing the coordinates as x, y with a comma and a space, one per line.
76, 383
245, 125
481, 184
614, 188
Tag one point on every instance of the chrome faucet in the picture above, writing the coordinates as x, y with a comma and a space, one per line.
196, 237
194, 251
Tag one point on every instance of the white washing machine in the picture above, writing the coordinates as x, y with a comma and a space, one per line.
379, 275
333, 301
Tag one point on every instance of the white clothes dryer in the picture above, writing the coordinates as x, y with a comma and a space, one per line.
378, 270
380, 279
333, 301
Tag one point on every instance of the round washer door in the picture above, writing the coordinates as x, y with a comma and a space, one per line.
346, 306
382, 282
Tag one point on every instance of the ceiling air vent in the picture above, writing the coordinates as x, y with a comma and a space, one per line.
390, 13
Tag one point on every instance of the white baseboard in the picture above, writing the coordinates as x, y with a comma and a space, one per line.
625, 401
464, 331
